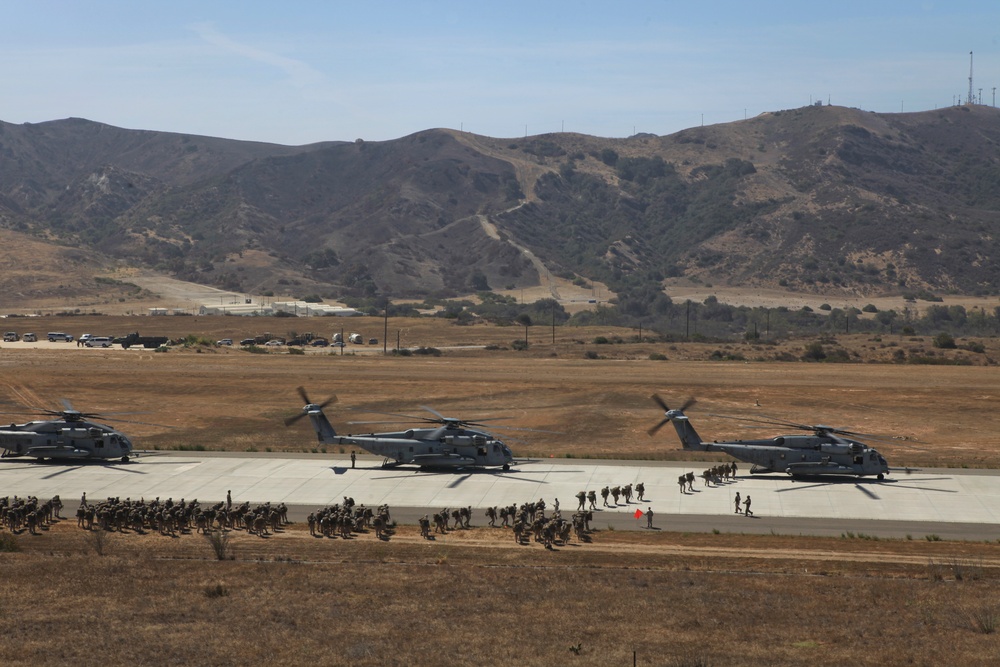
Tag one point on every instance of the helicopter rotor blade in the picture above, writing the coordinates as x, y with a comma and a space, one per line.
294, 418
687, 404
656, 428
660, 402
303, 394
128, 421
402, 418
437, 414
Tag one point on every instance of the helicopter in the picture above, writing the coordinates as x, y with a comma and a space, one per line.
69, 435
823, 452
445, 442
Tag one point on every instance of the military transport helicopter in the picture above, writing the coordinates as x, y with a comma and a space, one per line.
445, 443
69, 435
824, 452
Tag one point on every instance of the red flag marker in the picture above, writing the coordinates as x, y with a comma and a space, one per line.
638, 514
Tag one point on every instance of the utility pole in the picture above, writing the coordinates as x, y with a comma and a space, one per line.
554, 304
385, 330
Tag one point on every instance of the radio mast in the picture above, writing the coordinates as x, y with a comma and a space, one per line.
969, 99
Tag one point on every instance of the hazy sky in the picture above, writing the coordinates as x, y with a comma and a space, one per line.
299, 72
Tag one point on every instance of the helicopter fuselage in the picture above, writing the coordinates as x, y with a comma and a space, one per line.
64, 440
820, 453
433, 448
804, 455
446, 446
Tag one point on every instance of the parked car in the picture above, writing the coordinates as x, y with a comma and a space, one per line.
59, 336
98, 341
85, 337
273, 343
225, 341
338, 343
320, 342
248, 341
11, 337
30, 338
373, 341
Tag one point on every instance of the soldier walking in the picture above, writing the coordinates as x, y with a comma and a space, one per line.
746, 504
592, 499
354, 458
604, 494
737, 502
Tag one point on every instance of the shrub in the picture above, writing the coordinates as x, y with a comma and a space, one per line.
221, 546
216, 591
656, 356
944, 341
8, 543
519, 345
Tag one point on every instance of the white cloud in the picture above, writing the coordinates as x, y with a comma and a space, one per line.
299, 74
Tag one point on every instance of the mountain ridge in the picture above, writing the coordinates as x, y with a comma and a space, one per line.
823, 199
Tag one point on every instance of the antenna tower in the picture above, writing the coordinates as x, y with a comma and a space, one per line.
968, 100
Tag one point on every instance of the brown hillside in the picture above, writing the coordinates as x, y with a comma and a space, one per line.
825, 199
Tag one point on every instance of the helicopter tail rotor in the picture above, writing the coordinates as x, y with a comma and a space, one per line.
668, 414
309, 406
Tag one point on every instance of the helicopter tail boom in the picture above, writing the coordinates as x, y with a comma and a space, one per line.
690, 439
324, 429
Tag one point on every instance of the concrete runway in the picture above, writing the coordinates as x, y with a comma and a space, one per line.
952, 504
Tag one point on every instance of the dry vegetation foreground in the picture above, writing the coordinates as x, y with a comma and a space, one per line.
475, 598
480, 600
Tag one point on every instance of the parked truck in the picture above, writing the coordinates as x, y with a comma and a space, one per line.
148, 342
356, 339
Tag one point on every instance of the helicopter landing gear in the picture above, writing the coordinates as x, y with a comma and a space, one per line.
881, 477
124, 459
506, 467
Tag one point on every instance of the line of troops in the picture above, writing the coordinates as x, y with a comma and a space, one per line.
344, 519
615, 492
170, 518
719, 474
526, 521
20, 514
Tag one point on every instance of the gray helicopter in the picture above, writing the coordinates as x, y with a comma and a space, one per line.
824, 452
68, 436
445, 443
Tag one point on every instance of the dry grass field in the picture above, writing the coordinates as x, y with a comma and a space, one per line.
472, 597
228, 399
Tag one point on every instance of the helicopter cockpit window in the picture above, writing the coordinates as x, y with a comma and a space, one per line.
779, 441
481, 451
